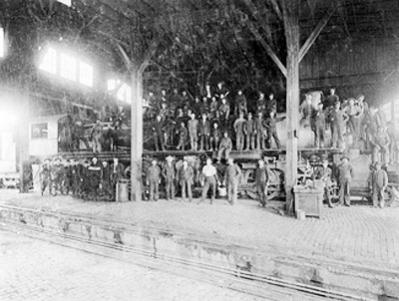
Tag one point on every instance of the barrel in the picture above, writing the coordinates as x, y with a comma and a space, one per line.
122, 191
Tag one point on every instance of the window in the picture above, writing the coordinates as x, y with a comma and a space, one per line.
39, 131
124, 93
86, 74
49, 61
68, 66
2, 42
66, 2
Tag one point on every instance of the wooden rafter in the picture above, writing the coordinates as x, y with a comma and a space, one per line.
268, 48
315, 33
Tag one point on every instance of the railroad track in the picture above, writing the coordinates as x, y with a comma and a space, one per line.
267, 287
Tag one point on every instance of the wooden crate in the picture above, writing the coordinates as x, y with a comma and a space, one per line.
309, 200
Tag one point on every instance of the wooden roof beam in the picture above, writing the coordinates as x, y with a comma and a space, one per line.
315, 33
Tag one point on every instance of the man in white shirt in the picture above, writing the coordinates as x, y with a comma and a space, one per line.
209, 173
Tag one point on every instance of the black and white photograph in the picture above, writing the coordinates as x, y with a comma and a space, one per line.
209, 150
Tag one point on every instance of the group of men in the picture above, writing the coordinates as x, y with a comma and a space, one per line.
89, 180
211, 178
353, 117
212, 122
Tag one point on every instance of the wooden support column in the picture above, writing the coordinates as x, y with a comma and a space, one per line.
291, 28
136, 134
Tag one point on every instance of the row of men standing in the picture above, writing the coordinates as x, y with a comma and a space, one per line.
210, 180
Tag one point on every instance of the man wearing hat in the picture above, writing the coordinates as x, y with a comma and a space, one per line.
94, 180
379, 184
169, 175
345, 175
262, 181
231, 178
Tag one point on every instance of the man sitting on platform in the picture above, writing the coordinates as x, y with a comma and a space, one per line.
225, 147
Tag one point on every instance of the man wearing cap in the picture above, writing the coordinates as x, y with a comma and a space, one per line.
183, 133
345, 175
215, 137
338, 120
186, 180
169, 175
271, 128
319, 125
209, 173
153, 180
379, 185
231, 178
204, 132
262, 181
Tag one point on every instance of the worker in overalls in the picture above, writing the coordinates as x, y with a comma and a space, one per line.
249, 132
231, 178
239, 131
153, 180
169, 175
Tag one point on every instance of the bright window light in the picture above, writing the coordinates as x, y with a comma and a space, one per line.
124, 93
49, 61
2, 42
66, 2
112, 84
86, 74
68, 67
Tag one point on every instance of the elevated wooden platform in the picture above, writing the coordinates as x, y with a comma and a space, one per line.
243, 155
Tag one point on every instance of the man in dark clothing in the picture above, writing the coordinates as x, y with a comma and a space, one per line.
240, 104
345, 175
331, 99
271, 128
106, 185
153, 180
183, 133
186, 180
169, 175
249, 132
96, 137
204, 132
231, 178
262, 182
324, 173
215, 137
94, 176
158, 133
271, 104
318, 126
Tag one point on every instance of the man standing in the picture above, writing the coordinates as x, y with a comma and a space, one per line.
225, 147
239, 130
169, 175
158, 133
94, 174
209, 174
153, 180
271, 128
345, 175
118, 173
183, 133
259, 132
45, 176
193, 132
204, 133
224, 112
232, 177
379, 185
318, 126
96, 136
249, 131
262, 182
215, 137
106, 185
186, 180
338, 119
